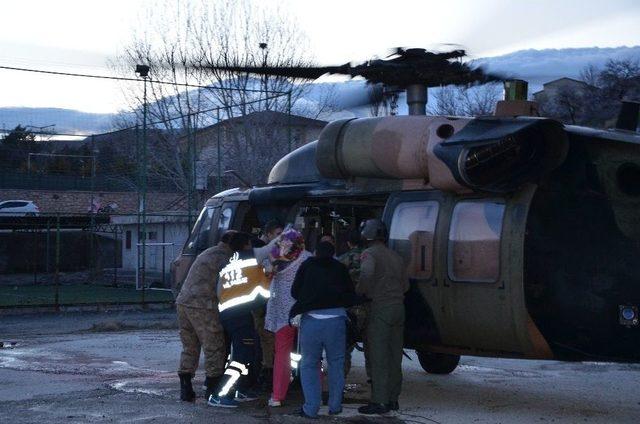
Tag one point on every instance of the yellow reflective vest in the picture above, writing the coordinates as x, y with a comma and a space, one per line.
242, 283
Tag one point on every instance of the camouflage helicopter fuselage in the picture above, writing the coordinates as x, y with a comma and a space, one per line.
528, 233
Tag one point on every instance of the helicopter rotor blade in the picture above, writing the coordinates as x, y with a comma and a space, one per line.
299, 72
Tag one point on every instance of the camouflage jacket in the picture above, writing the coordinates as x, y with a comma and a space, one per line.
351, 260
383, 277
199, 288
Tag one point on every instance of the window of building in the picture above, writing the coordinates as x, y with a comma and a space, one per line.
411, 235
127, 239
153, 235
474, 241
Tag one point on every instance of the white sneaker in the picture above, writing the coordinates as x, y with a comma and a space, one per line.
274, 403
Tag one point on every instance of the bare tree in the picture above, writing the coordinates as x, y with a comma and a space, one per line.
445, 102
596, 102
566, 105
378, 105
465, 101
186, 44
479, 100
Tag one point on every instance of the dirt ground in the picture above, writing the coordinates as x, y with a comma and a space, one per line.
120, 367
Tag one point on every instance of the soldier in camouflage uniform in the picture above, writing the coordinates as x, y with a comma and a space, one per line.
199, 319
383, 280
351, 260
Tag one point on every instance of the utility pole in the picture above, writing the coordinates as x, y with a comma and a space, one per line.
265, 77
289, 121
219, 177
143, 72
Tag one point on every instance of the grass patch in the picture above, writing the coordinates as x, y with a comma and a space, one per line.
77, 294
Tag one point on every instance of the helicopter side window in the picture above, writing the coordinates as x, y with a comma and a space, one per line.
225, 220
474, 241
411, 235
199, 238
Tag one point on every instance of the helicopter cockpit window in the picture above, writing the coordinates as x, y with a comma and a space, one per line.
411, 235
199, 238
225, 220
474, 241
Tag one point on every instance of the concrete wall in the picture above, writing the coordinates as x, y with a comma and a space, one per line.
26, 252
78, 202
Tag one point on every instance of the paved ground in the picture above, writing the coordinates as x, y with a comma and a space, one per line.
119, 367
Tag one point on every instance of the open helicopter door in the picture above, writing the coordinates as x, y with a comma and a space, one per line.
465, 258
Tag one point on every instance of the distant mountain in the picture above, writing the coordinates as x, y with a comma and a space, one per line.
67, 121
350, 98
540, 66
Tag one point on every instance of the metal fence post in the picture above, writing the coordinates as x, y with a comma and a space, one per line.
47, 250
164, 229
219, 177
115, 257
57, 269
35, 256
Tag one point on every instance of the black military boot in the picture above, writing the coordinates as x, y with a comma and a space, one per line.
265, 380
186, 389
373, 408
393, 406
211, 383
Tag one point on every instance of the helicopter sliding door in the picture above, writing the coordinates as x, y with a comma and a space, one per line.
464, 259
482, 294
413, 219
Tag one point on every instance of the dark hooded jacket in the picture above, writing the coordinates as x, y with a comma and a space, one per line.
322, 283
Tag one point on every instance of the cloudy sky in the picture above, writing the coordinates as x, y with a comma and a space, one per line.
80, 36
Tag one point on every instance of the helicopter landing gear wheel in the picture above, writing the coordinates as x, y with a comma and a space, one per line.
437, 363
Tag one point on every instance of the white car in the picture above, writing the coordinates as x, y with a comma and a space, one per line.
18, 208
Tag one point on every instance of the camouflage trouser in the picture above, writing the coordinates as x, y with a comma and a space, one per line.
267, 338
201, 328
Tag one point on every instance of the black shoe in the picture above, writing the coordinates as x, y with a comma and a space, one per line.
265, 380
338, 412
211, 383
373, 408
301, 413
393, 406
325, 398
186, 389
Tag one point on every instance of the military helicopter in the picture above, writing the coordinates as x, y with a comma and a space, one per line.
521, 234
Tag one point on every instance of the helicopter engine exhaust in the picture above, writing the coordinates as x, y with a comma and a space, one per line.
453, 154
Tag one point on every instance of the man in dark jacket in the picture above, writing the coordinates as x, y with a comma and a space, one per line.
323, 290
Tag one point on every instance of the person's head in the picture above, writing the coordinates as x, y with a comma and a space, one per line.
240, 241
226, 237
287, 246
272, 229
374, 230
328, 238
325, 250
355, 239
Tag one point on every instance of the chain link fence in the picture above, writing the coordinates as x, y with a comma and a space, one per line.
59, 260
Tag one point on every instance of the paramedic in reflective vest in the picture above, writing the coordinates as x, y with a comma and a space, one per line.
384, 281
242, 287
199, 321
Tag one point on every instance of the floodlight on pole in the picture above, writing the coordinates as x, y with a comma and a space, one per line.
143, 72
